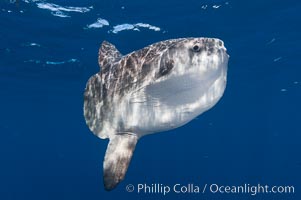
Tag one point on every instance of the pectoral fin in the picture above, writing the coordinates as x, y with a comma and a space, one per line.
117, 159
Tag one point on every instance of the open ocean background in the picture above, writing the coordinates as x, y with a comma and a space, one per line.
48, 50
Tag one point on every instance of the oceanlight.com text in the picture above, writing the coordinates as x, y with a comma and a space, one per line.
192, 188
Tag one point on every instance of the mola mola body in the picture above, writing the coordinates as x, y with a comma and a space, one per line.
158, 88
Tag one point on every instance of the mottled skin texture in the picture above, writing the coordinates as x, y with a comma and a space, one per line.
158, 88
119, 75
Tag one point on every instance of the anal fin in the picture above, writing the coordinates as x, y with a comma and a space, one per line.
117, 159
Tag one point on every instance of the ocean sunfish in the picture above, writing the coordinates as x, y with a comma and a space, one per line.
158, 88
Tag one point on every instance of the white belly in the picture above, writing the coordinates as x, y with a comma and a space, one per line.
172, 103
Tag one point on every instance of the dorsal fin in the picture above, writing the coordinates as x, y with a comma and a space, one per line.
107, 54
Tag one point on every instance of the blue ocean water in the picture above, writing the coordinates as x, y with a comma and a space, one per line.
48, 50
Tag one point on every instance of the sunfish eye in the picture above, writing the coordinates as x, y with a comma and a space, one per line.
196, 48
